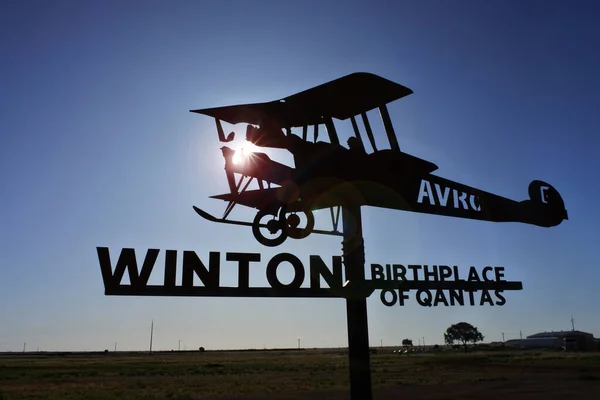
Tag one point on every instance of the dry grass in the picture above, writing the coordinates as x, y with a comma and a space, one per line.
195, 375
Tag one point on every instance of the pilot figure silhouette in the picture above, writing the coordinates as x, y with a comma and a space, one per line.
354, 144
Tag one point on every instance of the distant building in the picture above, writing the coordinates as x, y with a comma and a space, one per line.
568, 340
571, 340
536, 343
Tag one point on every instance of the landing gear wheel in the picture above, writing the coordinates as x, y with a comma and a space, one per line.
292, 222
274, 225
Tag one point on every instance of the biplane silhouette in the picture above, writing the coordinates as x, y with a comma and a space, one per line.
329, 175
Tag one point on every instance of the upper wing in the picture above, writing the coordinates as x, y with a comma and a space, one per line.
340, 99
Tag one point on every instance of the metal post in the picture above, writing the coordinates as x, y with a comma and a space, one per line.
356, 307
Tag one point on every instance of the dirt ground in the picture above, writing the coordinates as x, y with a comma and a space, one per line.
530, 382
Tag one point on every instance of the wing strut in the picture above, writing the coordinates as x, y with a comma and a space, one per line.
233, 203
389, 128
335, 219
221, 133
369, 130
333, 137
357, 133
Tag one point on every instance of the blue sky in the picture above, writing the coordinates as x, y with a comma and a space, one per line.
98, 148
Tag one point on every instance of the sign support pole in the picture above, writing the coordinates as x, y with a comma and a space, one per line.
353, 248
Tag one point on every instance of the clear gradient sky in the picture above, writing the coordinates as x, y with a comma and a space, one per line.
98, 148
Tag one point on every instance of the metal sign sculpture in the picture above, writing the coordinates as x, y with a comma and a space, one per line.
342, 179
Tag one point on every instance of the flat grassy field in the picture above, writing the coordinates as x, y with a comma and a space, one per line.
306, 374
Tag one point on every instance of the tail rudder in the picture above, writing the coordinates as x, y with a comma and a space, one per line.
548, 204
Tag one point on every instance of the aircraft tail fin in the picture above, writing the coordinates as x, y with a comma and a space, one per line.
548, 201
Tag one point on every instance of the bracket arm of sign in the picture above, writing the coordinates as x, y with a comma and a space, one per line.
346, 291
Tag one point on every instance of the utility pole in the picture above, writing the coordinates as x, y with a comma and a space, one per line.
573, 323
502, 337
115, 347
521, 335
179, 345
151, 333
24, 345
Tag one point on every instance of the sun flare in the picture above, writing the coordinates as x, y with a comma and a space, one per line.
243, 151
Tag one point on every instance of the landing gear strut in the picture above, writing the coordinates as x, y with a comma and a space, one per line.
275, 226
292, 222
279, 227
